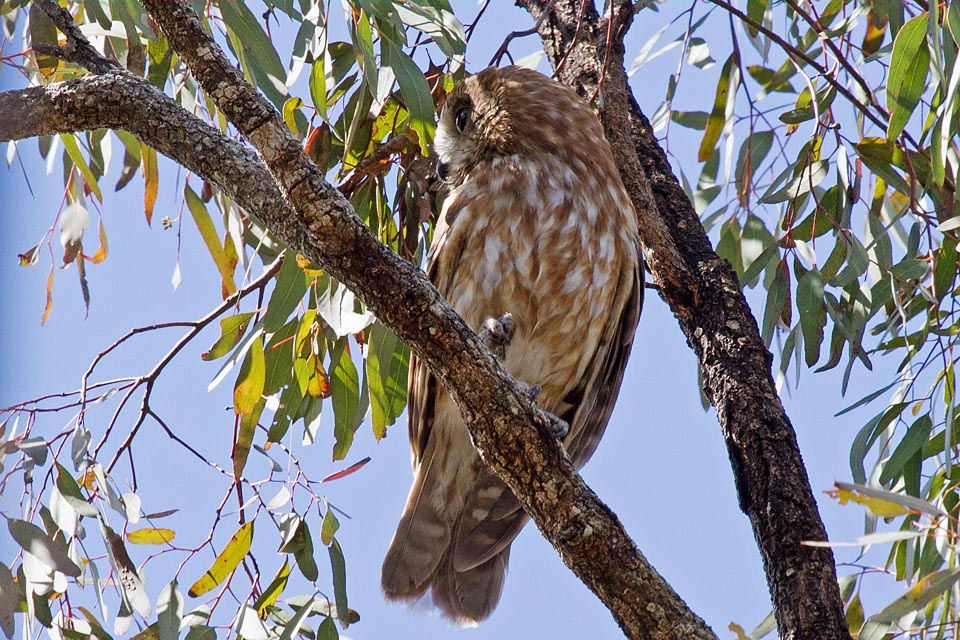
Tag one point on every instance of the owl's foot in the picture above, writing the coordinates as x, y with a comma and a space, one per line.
556, 426
497, 333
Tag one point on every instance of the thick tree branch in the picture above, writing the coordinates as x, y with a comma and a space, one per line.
317, 221
771, 479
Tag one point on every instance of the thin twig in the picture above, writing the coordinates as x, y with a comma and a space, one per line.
150, 378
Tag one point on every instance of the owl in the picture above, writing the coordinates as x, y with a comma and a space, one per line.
537, 226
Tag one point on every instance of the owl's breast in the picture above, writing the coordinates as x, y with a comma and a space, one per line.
545, 240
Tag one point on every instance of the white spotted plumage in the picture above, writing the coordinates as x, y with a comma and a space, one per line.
539, 225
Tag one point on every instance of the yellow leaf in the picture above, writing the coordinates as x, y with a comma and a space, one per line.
270, 594
737, 629
251, 379
101, 253
151, 180
226, 562
879, 506
151, 535
49, 305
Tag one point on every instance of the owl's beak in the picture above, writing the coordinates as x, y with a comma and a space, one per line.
442, 170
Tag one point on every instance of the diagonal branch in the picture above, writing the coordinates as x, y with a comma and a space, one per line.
317, 221
771, 480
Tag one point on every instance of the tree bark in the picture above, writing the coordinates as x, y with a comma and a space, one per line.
313, 218
705, 296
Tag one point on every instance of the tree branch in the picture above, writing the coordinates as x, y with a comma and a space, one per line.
771, 480
506, 425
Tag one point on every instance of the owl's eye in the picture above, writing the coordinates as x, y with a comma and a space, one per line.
461, 118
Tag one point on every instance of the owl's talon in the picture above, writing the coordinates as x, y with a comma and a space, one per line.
556, 426
497, 334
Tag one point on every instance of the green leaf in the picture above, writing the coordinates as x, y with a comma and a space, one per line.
73, 150
339, 568
210, 237
911, 443
722, 106
32, 538
945, 268
169, 610
43, 31
345, 390
438, 22
292, 284
245, 431
909, 65
250, 380
924, 591
690, 119
258, 56
415, 90
813, 314
755, 11
318, 86
329, 527
70, 491
387, 361
752, 153
232, 329
226, 562
327, 630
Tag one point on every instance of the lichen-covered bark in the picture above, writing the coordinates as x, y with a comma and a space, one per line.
312, 217
704, 294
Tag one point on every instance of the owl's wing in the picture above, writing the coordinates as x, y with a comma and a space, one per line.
421, 383
491, 519
592, 399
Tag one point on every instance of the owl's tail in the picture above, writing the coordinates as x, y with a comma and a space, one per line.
421, 557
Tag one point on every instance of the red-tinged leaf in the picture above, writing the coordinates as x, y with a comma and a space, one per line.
318, 384
151, 180
101, 253
226, 562
49, 305
251, 379
160, 514
356, 466
84, 287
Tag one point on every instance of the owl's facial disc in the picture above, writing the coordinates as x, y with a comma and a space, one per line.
454, 142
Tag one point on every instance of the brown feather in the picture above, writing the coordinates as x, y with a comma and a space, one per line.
538, 224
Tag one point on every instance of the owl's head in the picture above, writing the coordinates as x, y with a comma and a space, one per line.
507, 111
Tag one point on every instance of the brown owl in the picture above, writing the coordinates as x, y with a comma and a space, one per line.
537, 224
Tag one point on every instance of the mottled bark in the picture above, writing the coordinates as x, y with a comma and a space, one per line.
312, 217
704, 294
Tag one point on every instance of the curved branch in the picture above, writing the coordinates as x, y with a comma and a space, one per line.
770, 476
506, 425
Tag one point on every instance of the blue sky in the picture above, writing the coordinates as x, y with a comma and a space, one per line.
662, 466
